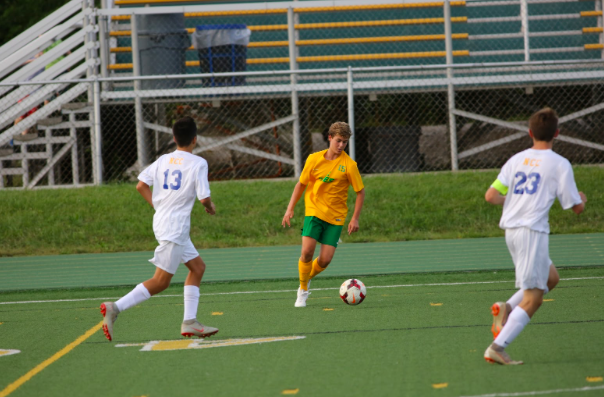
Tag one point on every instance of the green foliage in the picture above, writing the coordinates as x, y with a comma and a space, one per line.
114, 218
16, 16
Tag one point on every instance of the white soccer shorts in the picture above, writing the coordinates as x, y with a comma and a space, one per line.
168, 255
530, 253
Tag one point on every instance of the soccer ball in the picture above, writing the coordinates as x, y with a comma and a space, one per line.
353, 291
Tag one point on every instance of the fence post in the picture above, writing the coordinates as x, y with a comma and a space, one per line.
98, 160
351, 142
103, 39
141, 147
293, 65
525, 29
450, 87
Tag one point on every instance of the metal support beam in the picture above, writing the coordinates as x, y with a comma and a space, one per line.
98, 150
525, 29
293, 65
253, 131
141, 142
202, 140
50, 164
351, 142
450, 86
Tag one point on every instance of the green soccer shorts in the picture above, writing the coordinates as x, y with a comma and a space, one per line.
322, 231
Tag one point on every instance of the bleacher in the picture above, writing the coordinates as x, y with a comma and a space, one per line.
394, 33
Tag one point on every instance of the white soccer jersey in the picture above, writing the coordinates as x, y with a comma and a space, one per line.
178, 179
535, 178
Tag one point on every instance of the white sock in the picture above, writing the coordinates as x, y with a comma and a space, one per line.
517, 320
138, 295
517, 297
191, 302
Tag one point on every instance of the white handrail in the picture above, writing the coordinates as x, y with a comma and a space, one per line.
50, 74
39, 28
40, 63
38, 97
16, 59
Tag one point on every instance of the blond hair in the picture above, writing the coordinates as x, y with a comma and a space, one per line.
340, 128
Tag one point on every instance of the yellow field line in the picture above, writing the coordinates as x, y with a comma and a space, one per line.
594, 46
591, 13
332, 25
16, 384
593, 30
304, 10
357, 40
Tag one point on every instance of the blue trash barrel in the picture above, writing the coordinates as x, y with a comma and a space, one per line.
222, 48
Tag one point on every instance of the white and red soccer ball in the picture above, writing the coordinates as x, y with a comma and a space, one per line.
353, 291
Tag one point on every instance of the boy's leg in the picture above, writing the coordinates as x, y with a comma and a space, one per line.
502, 310
304, 268
190, 326
530, 253
518, 319
305, 263
166, 259
329, 238
196, 268
323, 260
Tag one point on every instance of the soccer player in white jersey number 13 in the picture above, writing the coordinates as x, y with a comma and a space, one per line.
527, 186
178, 179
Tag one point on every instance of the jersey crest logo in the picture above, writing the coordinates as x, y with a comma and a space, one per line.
327, 179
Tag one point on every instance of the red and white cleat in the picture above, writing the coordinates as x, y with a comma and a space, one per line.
499, 357
194, 328
500, 315
109, 311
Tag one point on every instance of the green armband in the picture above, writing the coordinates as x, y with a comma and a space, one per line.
500, 187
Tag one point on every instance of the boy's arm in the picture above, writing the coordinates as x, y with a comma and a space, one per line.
494, 197
496, 193
209, 205
353, 225
289, 213
145, 191
578, 208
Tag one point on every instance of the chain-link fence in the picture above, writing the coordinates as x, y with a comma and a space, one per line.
426, 86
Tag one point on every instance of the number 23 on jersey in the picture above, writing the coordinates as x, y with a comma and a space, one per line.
527, 183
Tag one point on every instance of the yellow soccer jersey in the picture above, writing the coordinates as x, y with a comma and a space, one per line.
327, 186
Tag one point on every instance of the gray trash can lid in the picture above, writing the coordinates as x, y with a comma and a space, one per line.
222, 26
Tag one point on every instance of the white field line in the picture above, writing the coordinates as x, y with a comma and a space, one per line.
294, 290
540, 392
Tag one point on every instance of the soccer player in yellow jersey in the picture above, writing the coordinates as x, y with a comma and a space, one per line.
326, 177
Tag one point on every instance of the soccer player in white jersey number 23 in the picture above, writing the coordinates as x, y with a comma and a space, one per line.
527, 186
178, 179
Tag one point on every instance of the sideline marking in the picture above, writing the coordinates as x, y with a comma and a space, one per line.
594, 379
295, 290
290, 391
435, 304
540, 392
8, 352
440, 385
15, 385
182, 344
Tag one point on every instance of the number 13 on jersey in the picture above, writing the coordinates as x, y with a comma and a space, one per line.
177, 179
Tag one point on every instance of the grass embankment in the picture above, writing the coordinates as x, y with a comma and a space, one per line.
114, 218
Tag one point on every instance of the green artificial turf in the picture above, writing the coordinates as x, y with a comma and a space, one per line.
402, 341
114, 218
